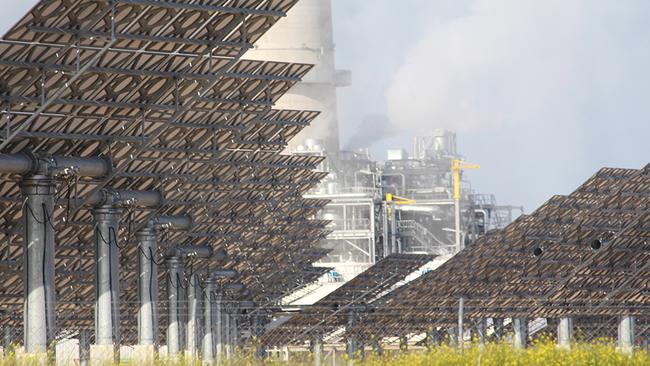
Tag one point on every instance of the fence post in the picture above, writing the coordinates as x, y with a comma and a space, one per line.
626, 336
317, 349
521, 332
461, 316
498, 328
565, 332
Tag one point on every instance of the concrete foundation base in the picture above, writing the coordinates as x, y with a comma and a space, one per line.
144, 355
103, 355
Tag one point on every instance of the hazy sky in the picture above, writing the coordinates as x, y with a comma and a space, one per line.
542, 93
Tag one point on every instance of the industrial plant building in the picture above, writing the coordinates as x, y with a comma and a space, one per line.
172, 187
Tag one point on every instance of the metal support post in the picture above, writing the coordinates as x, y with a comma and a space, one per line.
219, 315
351, 340
498, 328
259, 325
317, 349
376, 346
6, 340
626, 334
226, 332
84, 348
452, 334
107, 315
193, 297
147, 287
403, 344
461, 329
393, 229
234, 329
38, 246
432, 338
384, 229
208, 316
520, 339
481, 325
175, 296
565, 332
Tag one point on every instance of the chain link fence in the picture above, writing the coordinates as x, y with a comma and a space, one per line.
231, 330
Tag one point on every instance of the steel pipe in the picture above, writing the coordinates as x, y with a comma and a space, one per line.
109, 197
107, 316
193, 298
38, 246
175, 293
219, 310
208, 303
25, 163
147, 287
224, 273
173, 222
191, 251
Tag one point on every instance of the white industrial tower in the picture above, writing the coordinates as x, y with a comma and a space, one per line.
306, 36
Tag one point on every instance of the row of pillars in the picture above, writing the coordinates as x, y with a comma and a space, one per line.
38, 188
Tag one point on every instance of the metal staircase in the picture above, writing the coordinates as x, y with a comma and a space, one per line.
428, 242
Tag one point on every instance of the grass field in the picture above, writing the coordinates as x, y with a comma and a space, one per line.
540, 354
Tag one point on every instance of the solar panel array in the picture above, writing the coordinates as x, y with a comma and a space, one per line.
159, 89
584, 256
357, 296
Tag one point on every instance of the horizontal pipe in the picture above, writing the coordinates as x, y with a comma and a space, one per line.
238, 287
173, 222
191, 251
17, 164
124, 197
24, 164
84, 167
226, 273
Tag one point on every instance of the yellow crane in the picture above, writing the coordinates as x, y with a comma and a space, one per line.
457, 166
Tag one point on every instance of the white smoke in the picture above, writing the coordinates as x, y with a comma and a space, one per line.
514, 61
542, 93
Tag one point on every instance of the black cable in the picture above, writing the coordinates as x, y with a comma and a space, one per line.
151, 299
47, 327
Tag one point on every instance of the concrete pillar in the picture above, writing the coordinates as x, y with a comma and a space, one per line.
147, 295
208, 316
176, 296
317, 349
520, 339
626, 334
38, 248
481, 325
565, 332
498, 328
107, 301
193, 297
